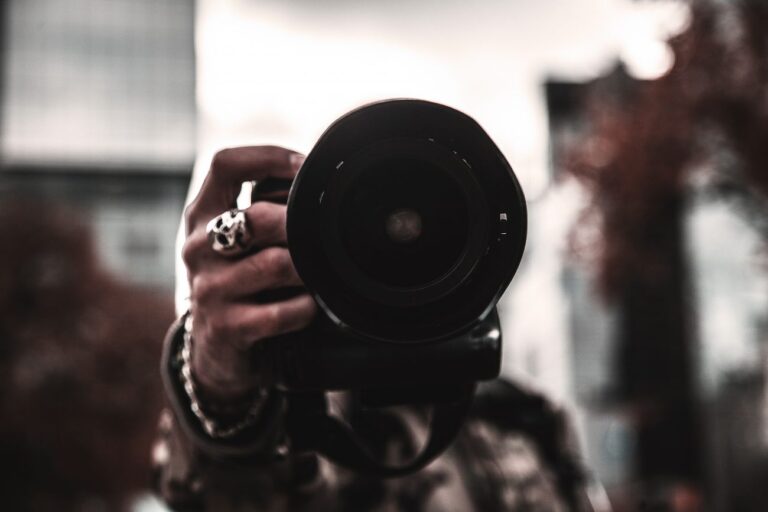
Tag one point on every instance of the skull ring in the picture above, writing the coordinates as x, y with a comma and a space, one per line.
228, 232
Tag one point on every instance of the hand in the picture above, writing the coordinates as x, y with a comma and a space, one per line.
227, 321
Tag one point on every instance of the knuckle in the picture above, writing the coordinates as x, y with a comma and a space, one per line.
266, 222
222, 159
259, 217
279, 263
271, 260
189, 253
239, 335
273, 152
271, 320
309, 312
190, 216
257, 264
284, 264
220, 329
274, 155
203, 289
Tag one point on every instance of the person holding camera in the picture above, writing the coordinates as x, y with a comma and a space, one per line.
228, 442
513, 453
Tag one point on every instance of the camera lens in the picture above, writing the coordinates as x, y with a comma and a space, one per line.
404, 222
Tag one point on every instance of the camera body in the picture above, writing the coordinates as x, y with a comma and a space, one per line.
406, 223
327, 357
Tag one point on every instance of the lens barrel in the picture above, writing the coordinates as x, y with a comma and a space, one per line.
406, 222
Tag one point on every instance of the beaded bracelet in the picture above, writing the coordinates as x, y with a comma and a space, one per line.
211, 425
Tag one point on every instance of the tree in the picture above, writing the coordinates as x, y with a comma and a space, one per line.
79, 356
702, 127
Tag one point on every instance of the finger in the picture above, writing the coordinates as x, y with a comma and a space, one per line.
267, 269
265, 221
273, 189
231, 167
268, 320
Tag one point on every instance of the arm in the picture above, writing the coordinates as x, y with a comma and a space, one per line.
227, 325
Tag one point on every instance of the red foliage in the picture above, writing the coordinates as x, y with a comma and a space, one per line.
708, 116
78, 367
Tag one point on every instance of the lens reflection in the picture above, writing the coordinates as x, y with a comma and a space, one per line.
403, 225
404, 222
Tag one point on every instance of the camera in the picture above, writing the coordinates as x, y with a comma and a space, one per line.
406, 223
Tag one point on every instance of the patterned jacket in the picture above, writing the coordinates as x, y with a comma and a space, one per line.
515, 452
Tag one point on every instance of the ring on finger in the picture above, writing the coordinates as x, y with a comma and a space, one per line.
228, 233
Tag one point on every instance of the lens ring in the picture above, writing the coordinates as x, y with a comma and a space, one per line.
476, 236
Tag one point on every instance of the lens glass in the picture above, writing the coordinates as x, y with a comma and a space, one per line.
404, 222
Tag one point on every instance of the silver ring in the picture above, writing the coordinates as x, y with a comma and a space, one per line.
228, 232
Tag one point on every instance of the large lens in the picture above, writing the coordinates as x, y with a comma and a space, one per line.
404, 222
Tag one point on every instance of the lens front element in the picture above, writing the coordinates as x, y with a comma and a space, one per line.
404, 223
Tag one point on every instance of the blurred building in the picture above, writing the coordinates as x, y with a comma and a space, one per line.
98, 134
591, 322
728, 295
98, 112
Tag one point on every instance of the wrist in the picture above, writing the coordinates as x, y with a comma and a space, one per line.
221, 383
224, 375
224, 409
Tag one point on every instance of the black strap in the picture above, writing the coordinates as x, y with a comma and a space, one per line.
334, 439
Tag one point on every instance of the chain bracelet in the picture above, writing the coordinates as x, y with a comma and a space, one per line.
210, 425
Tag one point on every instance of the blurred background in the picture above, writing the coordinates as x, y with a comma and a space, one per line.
639, 131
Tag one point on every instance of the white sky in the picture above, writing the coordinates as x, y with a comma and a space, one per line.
99, 84
280, 72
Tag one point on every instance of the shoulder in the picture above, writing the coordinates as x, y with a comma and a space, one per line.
525, 443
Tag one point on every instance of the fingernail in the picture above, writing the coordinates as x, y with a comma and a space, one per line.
297, 160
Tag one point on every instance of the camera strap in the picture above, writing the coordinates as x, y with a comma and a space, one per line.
312, 428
